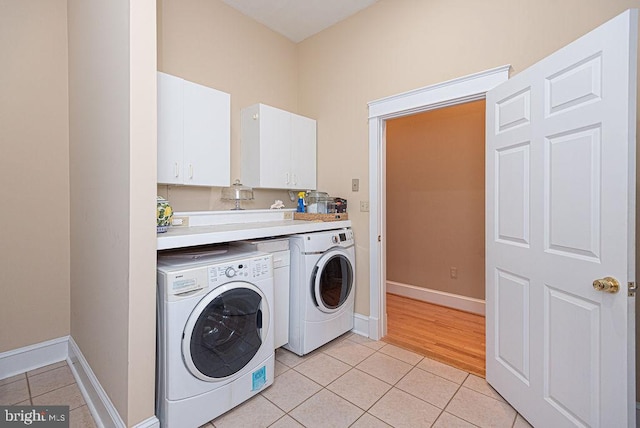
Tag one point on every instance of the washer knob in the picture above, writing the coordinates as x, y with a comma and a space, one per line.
230, 272
334, 239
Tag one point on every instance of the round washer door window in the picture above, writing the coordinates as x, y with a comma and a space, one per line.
332, 281
225, 331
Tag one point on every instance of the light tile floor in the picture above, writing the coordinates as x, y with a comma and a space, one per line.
350, 382
50, 385
356, 382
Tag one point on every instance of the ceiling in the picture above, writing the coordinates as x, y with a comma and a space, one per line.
299, 19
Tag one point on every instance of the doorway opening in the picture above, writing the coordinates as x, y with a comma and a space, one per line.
458, 91
435, 220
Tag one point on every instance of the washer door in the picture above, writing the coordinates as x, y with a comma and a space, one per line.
332, 281
225, 331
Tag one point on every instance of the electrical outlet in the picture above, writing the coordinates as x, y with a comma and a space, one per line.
180, 221
364, 206
355, 184
453, 272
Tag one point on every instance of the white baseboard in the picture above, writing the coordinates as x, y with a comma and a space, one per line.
32, 357
102, 409
361, 325
152, 422
442, 298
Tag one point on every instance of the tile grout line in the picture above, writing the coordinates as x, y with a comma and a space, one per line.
52, 390
452, 397
367, 413
349, 401
515, 418
28, 388
364, 411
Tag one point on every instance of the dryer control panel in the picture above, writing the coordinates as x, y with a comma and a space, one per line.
312, 243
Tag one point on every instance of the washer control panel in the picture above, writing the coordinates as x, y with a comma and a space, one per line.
187, 281
246, 269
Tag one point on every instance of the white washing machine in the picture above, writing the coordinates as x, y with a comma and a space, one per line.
215, 335
322, 288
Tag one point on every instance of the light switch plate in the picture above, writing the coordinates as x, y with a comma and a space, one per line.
355, 184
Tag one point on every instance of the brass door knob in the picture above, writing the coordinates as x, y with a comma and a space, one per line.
607, 284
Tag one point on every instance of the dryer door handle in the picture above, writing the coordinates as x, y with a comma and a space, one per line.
259, 319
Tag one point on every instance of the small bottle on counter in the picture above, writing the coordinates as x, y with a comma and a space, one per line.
300, 202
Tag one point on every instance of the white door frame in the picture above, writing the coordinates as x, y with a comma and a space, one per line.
457, 91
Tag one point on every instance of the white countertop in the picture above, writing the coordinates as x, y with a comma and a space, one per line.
177, 237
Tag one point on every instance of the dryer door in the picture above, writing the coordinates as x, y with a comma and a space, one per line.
332, 281
225, 330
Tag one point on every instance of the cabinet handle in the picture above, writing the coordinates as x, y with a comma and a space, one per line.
190, 172
295, 179
287, 182
176, 171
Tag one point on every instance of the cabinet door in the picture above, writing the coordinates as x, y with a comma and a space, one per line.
169, 129
275, 148
303, 152
206, 136
250, 145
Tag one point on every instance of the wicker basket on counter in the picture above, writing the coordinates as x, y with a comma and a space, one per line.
320, 217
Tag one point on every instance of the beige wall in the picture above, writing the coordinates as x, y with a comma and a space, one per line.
142, 186
435, 199
34, 170
112, 114
211, 43
399, 45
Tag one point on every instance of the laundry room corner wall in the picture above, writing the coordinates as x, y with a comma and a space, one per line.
112, 117
34, 168
210, 43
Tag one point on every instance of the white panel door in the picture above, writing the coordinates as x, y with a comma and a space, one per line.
560, 214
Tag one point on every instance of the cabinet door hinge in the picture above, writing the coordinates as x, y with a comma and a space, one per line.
632, 289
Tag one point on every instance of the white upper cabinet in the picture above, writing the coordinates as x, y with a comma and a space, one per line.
278, 149
194, 133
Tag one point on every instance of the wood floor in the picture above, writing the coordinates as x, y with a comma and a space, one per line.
448, 335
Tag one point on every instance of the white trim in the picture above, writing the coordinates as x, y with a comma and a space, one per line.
152, 422
361, 325
442, 298
21, 360
102, 409
31, 357
466, 88
456, 91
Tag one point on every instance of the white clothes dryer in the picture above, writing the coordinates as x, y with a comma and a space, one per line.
322, 288
215, 335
